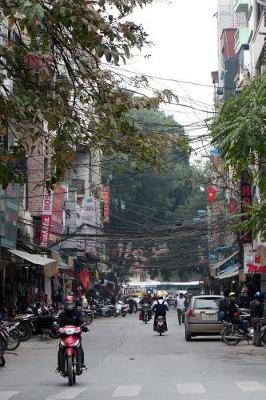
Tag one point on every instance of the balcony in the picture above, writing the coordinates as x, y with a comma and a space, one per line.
241, 6
242, 36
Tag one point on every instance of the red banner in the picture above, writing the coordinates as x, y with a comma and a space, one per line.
84, 277
105, 192
211, 194
57, 217
46, 218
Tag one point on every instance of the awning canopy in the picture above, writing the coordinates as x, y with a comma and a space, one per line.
33, 258
222, 262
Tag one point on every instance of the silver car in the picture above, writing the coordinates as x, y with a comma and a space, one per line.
201, 317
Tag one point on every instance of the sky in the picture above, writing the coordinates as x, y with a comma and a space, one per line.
184, 48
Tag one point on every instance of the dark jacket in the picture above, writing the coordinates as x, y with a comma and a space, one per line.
256, 309
160, 307
75, 317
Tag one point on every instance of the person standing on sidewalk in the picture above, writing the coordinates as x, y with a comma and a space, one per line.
256, 312
180, 308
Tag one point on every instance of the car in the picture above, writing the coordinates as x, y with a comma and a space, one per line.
170, 300
201, 317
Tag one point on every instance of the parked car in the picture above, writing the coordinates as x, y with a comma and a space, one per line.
201, 317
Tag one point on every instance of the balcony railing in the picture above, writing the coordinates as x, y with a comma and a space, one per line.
241, 6
241, 38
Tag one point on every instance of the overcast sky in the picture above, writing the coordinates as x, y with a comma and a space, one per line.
185, 48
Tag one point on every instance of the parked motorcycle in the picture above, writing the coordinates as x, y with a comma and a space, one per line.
26, 325
4, 336
70, 341
14, 335
160, 325
121, 309
45, 323
232, 334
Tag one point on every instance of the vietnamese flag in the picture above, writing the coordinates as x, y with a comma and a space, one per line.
84, 277
211, 194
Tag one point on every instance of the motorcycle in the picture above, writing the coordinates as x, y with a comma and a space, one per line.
14, 335
4, 337
121, 309
45, 323
146, 313
232, 334
70, 341
160, 325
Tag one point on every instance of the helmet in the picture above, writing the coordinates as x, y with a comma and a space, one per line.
69, 303
259, 296
232, 294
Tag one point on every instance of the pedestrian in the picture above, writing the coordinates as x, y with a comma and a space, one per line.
180, 308
256, 312
244, 298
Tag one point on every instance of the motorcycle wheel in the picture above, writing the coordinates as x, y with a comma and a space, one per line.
89, 319
2, 360
146, 319
228, 337
24, 333
70, 372
54, 334
13, 341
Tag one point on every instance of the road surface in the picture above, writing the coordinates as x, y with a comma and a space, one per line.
127, 360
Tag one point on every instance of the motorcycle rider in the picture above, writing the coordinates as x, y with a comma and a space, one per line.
160, 307
70, 316
230, 314
256, 312
146, 299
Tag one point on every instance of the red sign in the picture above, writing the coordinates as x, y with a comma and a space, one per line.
84, 277
57, 217
46, 218
256, 268
211, 194
106, 203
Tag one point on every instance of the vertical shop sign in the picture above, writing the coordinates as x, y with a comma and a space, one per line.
57, 216
84, 277
88, 217
9, 217
246, 201
46, 217
106, 203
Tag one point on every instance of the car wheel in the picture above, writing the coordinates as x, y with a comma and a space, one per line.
187, 337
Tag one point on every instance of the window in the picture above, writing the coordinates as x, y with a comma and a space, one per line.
207, 304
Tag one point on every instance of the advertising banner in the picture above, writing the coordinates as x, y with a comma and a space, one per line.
252, 262
46, 217
88, 216
57, 217
105, 194
9, 217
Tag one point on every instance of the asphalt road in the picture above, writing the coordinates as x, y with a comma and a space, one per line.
126, 359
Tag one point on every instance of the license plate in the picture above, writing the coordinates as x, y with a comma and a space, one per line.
211, 317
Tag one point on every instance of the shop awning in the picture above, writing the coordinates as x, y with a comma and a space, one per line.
221, 263
34, 258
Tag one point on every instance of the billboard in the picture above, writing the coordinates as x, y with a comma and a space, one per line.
9, 216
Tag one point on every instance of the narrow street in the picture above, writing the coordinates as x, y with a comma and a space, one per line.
127, 360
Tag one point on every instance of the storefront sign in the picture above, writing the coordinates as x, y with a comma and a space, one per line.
105, 192
211, 194
246, 201
84, 277
46, 217
252, 262
57, 217
9, 217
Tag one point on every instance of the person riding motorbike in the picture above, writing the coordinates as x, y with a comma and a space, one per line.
70, 316
231, 314
256, 312
160, 307
146, 299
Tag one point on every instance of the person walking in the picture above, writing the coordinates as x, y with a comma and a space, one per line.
180, 308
